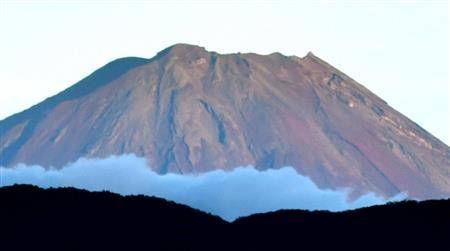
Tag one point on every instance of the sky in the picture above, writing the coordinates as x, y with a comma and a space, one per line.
397, 49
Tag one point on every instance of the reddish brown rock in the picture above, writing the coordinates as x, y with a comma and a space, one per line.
189, 110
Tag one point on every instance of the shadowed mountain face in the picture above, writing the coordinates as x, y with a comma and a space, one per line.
189, 110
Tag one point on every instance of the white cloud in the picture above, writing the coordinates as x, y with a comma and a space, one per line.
240, 192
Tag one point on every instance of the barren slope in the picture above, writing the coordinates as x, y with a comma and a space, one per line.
189, 110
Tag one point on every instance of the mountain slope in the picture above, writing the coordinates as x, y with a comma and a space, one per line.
72, 219
189, 110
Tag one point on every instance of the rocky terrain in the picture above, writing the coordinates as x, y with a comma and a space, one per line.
188, 110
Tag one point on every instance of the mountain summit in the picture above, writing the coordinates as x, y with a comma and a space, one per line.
188, 110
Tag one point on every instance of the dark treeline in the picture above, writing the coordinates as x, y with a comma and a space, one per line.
32, 218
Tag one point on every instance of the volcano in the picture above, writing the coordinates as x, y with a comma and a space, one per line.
188, 110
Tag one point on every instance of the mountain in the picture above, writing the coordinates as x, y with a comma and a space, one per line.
70, 219
188, 110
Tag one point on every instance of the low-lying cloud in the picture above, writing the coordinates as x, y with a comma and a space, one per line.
240, 192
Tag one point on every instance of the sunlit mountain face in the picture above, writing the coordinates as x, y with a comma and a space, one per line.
190, 111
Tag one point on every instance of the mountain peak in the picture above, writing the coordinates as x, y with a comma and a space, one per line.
185, 46
310, 54
180, 50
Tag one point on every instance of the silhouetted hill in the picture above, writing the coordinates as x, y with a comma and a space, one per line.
407, 224
71, 219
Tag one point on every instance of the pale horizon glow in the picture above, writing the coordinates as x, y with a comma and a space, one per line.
397, 49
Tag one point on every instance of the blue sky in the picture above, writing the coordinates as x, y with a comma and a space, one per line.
398, 49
